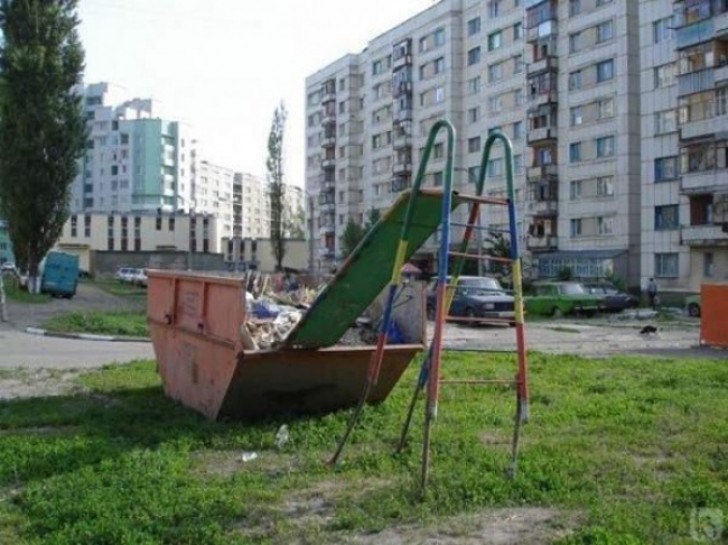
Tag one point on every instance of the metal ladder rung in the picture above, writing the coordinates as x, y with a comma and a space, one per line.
478, 381
481, 320
482, 256
482, 200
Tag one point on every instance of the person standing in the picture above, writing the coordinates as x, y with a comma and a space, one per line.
652, 293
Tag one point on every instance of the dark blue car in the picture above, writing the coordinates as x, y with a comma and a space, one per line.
476, 297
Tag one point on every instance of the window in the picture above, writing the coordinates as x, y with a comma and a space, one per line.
665, 75
495, 104
605, 186
437, 178
495, 40
574, 7
605, 70
473, 173
605, 108
474, 144
605, 146
666, 217
474, 26
575, 116
439, 65
708, 265
517, 32
665, 168
495, 72
474, 56
605, 31
439, 37
517, 64
575, 227
575, 152
473, 114
666, 265
665, 121
519, 97
439, 95
438, 151
518, 130
575, 190
518, 163
474, 85
605, 226
575, 80
574, 42
494, 8
495, 167
661, 30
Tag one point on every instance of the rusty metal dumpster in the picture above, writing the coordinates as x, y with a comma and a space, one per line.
714, 315
195, 325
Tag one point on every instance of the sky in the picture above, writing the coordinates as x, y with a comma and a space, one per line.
222, 66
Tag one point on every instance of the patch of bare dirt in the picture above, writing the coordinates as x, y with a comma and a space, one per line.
28, 383
512, 526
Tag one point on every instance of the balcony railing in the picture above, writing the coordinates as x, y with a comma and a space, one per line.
695, 33
542, 244
703, 235
695, 82
541, 134
328, 142
402, 167
328, 162
400, 141
550, 62
543, 30
539, 99
405, 114
534, 174
703, 181
702, 127
544, 208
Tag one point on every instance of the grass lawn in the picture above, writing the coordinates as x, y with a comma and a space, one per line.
114, 287
620, 451
14, 293
128, 323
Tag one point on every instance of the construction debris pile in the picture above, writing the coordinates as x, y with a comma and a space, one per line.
274, 305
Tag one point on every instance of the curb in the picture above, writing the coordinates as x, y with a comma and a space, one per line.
84, 336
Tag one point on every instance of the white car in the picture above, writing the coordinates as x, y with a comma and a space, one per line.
8, 268
138, 277
123, 274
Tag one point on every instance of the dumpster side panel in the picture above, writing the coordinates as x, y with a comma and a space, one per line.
714, 315
304, 382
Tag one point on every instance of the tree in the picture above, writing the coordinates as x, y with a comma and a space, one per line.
276, 187
373, 216
351, 237
42, 126
498, 246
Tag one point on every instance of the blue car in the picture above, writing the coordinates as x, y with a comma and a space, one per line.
477, 297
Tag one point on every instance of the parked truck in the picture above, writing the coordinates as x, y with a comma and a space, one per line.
59, 276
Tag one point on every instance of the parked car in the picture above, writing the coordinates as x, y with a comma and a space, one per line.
614, 300
692, 305
138, 277
560, 298
122, 274
476, 297
8, 268
83, 273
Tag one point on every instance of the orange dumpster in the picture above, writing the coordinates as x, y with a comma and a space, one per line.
714, 315
195, 323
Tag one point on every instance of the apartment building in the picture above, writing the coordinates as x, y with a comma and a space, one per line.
701, 46
560, 79
134, 161
255, 205
139, 232
213, 194
6, 247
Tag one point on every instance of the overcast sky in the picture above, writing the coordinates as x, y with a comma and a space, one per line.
222, 65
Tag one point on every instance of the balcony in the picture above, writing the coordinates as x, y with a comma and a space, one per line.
541, 134
328, 93
538, 173
544, 208
541, 99
327, 230
402, 168
402, 60
405, 114
703, 181
328, 118
692, 34
542, 244
326, 253
400, 88
543, 30
400, 184
550, 62
328, 163
703, 235
326, 181
328, 142
401, 140
695, 82
702, 128
720, 72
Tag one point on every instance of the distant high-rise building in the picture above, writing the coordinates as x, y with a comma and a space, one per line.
602, 100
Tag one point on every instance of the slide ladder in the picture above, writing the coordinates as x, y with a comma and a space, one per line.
429, 375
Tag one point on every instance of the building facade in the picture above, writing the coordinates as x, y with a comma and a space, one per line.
140, 232
212, 190
591, 94
6, 247
134, 161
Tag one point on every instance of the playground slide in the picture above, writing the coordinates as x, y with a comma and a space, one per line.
367, 271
